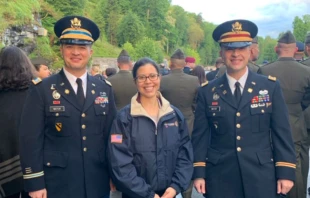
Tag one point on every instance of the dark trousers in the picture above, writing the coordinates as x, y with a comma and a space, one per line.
159, 193
23, 195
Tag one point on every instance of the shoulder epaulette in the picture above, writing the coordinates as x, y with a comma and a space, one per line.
272, 78
204, 84
36, 80
108, 83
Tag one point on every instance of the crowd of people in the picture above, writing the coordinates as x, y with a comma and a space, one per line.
240, 131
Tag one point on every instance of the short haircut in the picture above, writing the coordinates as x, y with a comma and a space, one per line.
177, 63
142, 62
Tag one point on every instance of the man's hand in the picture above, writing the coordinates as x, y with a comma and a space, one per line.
169, 193
112, 186
200, 185
156, 196
38, 194
284, 186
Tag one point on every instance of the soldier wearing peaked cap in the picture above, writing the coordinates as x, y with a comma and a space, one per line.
180, 89
294, 80
66, 122
123, 85
242, 140
299, 54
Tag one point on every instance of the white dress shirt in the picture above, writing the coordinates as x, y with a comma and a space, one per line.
72, 80
242, 81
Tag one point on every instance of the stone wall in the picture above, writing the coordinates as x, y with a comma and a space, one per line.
105, 62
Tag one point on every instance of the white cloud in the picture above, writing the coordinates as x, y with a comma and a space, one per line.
271, 16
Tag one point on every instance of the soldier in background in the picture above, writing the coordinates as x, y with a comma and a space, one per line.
190, 63
123, 85
307, 49
218, 63
41, 66
95, 72
299, 54
295, 83
180, 90
254, 48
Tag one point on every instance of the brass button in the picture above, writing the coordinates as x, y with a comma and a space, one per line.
85, 149
238, 138
238, 114
238, 126
83, 115
57, 114
83, 126
84, 137
48, 164
213, 114
263, 111
239, 149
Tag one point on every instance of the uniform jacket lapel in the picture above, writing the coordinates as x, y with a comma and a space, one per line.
224, 91
65, 89
91, 93
249, 91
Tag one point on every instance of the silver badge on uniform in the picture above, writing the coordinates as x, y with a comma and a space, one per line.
216, 96
56, 95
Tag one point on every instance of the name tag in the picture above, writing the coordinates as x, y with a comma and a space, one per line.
214, 108
56, 109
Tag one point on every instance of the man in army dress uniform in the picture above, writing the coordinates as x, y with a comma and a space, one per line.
180, 89
123, 84
254, 49
242, 141
295, 83
66, 122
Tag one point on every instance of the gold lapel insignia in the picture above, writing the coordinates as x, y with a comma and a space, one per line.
67, 91
224, 92
93, 91
56, 95
250, 90
58, 126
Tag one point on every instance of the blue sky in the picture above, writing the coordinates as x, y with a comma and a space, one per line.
271, 16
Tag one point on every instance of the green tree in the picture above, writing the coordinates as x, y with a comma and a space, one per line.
301, 26
191, 52
149, 48
130, 29
68, 7
131, 50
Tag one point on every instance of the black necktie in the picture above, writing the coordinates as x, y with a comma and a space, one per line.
80, 92
237, 93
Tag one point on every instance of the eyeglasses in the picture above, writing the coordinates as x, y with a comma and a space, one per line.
143, 78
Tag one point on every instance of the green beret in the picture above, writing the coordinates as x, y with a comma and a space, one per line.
287, 38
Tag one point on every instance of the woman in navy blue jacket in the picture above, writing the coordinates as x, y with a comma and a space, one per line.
150, 151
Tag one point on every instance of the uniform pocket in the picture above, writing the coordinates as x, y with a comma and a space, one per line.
216, 121
58, 123
265, 156
260, 119
101, 114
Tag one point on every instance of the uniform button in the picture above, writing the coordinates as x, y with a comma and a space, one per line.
239, 149
213, 114
85, 149
238, 138
83, 126
238, 114
263, 111
84, 137
83, 115
48, 164
103, 113
238, 126
57, 114
272, 159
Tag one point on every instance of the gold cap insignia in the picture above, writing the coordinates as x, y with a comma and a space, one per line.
237, 27
76, 23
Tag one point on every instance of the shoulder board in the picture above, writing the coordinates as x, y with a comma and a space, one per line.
108, 83
272, 78
36, 80
204, 84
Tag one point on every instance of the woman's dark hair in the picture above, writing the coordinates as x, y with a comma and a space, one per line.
142, 62
110, 71
200, 73
16, 69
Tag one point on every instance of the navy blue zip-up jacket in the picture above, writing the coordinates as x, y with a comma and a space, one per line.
147, 158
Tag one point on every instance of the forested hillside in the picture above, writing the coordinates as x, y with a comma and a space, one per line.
152, 28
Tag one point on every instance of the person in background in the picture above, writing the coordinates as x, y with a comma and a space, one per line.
218, 63
190, 63
16, 75
66, 122
41, 66
95, 72
124, 87
163, 70
110, 71
242, 140
299, 54
200, 73
150, 152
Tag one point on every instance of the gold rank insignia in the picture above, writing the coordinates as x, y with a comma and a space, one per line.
108, 83
36, 80
58, 126
76, 23
272, 78
67, 91
204, 84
